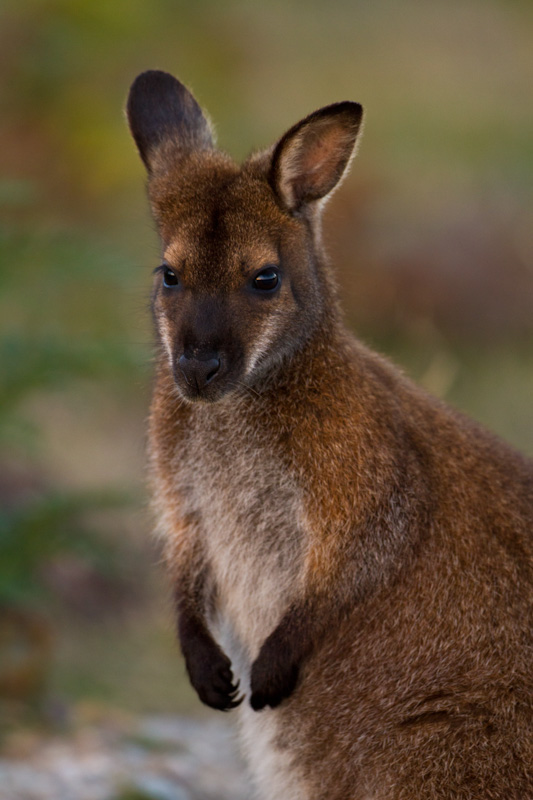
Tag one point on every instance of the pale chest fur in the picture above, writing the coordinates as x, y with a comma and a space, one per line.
251, 521
249, 514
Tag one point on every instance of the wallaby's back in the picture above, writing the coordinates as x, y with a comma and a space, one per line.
356, 553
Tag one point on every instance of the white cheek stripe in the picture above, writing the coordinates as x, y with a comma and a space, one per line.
264, 340
166, 338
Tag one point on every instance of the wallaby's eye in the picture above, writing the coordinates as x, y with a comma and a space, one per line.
267, 280
170, 278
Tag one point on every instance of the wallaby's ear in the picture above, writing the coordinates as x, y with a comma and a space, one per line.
161, 111
309, 161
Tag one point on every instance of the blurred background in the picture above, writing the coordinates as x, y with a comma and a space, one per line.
432, 235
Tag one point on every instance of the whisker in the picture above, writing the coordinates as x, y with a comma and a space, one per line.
249, 389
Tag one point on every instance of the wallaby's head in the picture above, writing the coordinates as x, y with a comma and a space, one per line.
241, 284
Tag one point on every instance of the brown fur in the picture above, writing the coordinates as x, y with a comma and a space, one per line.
361, 552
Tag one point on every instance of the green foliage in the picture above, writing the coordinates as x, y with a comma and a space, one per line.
50, 363
133, 793
61, 324
65, 311
33, 532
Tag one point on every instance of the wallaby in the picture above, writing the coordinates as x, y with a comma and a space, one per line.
352, 560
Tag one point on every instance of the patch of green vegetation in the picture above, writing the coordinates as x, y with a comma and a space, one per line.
130, 662
133, 793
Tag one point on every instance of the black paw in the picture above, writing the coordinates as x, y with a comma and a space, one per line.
210, 673
274, 678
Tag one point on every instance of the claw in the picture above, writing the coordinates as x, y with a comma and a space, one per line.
235, 703
211, 674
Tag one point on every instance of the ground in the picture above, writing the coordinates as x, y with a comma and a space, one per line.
119, 757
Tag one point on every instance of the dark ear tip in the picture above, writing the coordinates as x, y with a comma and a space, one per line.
160, 108
148, 83
153, 77
349, 109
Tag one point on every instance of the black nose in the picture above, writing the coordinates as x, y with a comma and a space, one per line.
199, 372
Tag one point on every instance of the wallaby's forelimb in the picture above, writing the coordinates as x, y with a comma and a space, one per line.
276, 669
208, 667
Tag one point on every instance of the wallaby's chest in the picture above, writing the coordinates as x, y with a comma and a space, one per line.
251, 522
